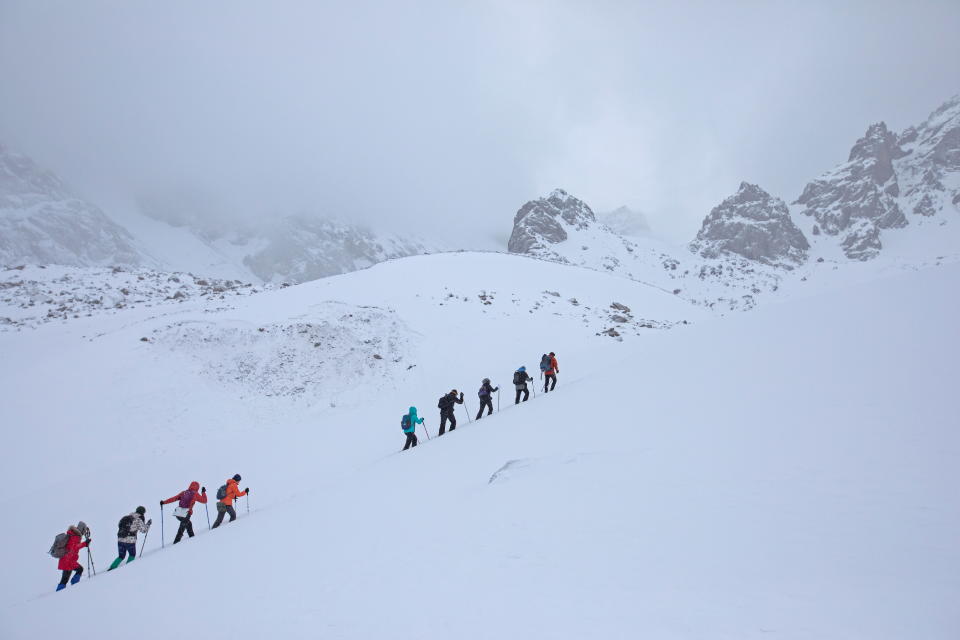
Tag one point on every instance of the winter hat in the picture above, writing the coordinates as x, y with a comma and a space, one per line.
237, 477
522, 369
83, 528
552, 353
141, 510
453, 392
486, 381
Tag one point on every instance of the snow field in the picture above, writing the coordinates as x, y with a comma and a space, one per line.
788, 471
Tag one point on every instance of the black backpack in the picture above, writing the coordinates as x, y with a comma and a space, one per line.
123, 527
222, 492
518, 377
443, 403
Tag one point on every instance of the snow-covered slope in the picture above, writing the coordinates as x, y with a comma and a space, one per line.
785, 472
42, 222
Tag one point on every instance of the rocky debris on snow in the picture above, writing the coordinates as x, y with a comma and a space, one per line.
36, 295
755, 225
342, 350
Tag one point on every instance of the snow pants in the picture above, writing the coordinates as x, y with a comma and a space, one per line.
485, 401
444, 416
525, 392
65, 576
411, 441
222, 510
185, 525
549, 382
123, 548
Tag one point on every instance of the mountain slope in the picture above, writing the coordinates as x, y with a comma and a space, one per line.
795, 479
42, 222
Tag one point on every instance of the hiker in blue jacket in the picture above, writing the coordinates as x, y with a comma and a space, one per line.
409, 424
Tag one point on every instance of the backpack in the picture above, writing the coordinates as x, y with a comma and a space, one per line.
405, 421
483, 391
59, 547
518, 378
443, 403
222, 492
186, 498
123, 527
544, 362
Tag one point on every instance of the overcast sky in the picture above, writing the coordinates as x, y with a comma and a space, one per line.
447, 116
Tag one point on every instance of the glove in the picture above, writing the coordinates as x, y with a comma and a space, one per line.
461, 395
203, 489
149, 522
247, 490
161, 504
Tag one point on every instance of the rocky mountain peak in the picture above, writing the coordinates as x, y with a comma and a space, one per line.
876, 151
546, 221
755, 225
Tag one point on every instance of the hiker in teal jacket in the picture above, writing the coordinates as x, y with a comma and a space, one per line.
410, 422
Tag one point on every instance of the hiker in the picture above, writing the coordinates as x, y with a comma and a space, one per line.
69, 553
225, 497
446, 410
409, 424
550, 373
520, 378
486, 397
185, 501
127, 530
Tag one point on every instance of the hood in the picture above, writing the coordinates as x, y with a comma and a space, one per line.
194, 486
231, 481
413, 410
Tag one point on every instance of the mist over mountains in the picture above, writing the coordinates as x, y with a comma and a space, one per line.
889, 184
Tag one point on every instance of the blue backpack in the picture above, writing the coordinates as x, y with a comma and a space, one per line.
405, 421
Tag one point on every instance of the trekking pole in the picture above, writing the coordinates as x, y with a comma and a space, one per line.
162, 541
248, 503
144, 545
90, 565
467, 409
207, 507
498, 400
425, 430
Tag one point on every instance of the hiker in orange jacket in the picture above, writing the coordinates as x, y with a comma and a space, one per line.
185, 501
225, 504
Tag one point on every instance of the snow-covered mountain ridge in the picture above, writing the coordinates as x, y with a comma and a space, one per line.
753, 243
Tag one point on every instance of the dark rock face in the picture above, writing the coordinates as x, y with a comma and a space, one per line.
864, 190
755, 225
543, 222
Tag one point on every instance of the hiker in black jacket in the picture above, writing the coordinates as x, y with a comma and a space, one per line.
486, 397
446, 406
520, 379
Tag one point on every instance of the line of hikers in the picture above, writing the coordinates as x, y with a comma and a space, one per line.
66, 546
447, 403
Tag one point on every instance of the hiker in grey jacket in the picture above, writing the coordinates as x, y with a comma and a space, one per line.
130, 525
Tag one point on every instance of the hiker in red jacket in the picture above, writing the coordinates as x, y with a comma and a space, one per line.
550, 373
186, 500
70, 560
